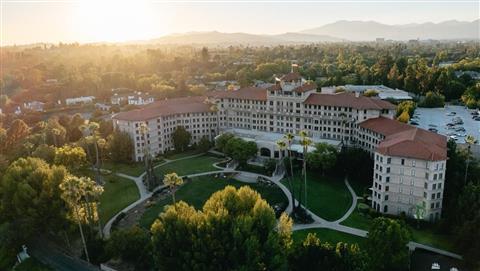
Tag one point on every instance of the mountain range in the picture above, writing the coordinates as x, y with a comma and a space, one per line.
336, 32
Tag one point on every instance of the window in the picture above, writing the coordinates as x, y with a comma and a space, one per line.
438, 195
432, 205
389, 160
413, 163
387, 188
387, 179
388, 170
386, 197
425, 185
385, 208
403, 162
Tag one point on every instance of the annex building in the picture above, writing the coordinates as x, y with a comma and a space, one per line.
409, 163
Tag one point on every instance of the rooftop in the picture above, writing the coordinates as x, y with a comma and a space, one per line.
166, 107
407, 141
346, 99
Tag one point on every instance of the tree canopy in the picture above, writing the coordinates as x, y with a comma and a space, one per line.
236, 230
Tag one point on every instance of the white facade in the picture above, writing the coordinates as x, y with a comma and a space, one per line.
400, 184
79, 100
292, 105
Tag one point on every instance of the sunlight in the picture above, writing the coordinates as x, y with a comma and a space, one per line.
116, 20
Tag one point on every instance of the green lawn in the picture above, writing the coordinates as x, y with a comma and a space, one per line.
193, 165
431, 238
330, 236
118, 193
358, 187
358, 220
134, 169
425, 236
199, 189
327, 197
182, 154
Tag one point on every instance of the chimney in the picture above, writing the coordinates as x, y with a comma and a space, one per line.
357, 94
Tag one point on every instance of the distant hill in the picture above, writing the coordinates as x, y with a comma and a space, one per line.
218, 38
370, 30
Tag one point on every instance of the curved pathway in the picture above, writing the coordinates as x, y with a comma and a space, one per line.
318, 221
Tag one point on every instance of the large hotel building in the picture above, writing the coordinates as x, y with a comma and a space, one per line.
409, 163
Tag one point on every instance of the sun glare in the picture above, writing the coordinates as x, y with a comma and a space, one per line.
116, 20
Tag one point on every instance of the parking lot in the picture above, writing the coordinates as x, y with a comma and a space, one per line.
438, 118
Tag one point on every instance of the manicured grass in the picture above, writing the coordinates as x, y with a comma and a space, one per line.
199, 189
358, 186
425, 236
134, 169
330, 236
358, 220
182, 154
327, 197
118, 193
431, 238
193, 165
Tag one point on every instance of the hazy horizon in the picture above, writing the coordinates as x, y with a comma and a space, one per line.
27, 22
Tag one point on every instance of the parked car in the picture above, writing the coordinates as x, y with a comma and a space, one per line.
433, 130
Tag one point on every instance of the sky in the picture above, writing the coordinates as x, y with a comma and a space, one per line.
31, 21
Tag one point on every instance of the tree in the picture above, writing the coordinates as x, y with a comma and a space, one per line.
370, 93
285, 145
133, 246
81, 194
408, 106
30, 198
236, 230
172, 180
204, 144
45, 152
323, 157
387, 244
240, 150
432, 99
70, 157
73, 130
305, 141
120, 147
55, 133
17, 131
404, 117
181, 138
221, 141
312, 254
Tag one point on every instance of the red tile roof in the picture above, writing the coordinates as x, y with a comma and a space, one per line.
166, 107
248, 93
293, 76
404, 140
385, 126
305, 87
348, 100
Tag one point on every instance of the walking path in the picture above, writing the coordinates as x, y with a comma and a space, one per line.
246, 177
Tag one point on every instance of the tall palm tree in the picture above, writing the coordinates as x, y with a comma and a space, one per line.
282, 145
305, 141
470, 140
151, 180
172, 180
213, 103
72, 192
90, 130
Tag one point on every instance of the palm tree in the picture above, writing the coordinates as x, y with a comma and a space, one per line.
172, 180
213, 103
282, 145
305, 141
90, 131
72, 191
147, 157
470, 140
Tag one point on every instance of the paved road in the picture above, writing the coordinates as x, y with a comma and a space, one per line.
318, 221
